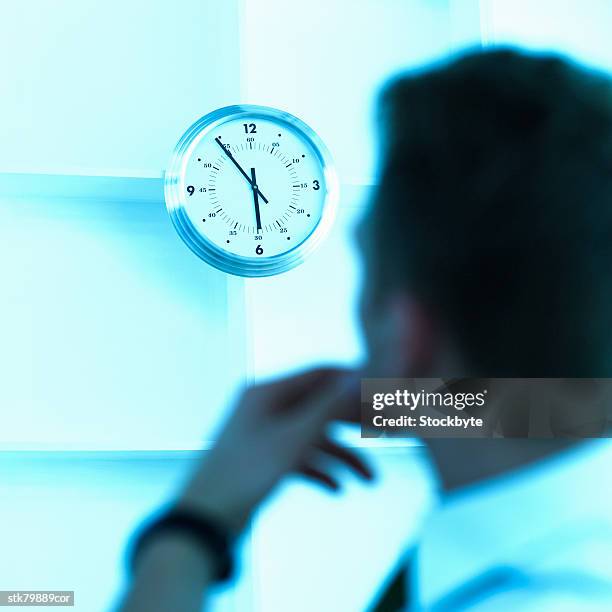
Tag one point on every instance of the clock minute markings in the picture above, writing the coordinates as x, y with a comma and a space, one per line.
241, 169
216, 167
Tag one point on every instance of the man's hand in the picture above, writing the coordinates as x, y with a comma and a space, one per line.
275, 429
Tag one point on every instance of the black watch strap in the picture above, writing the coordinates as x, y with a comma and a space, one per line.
208, 532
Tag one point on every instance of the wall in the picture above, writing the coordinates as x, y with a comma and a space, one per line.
108, 87
113, 335
573, 27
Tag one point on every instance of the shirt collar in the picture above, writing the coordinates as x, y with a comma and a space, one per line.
492, 523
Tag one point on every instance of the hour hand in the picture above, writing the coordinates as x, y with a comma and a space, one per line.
246, 176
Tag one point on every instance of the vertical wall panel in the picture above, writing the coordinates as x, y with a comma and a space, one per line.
108, 87
114, 335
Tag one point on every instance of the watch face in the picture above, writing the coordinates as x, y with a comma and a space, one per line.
251, 190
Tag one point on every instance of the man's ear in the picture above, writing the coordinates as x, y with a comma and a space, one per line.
412, 336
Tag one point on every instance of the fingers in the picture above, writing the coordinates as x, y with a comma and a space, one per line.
320, 477
294, 392
348, 398
336, 391
348, 458
317, 467
340, 401
285, 393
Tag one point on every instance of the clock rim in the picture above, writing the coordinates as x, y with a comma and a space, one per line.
207, 250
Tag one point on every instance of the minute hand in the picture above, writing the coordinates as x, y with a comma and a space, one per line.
246, 176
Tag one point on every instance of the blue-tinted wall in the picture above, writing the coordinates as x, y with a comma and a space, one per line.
115, 338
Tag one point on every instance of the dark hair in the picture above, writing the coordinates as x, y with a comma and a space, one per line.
495, 208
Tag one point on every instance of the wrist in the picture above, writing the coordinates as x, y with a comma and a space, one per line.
211, 503
173, 552
213, 494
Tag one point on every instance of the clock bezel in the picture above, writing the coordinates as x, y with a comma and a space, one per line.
201, 245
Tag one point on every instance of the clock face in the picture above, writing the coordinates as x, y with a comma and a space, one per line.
251, 190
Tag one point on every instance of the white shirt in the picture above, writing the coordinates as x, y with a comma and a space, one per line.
537, 539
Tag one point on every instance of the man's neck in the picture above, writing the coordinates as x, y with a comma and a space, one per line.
461, 462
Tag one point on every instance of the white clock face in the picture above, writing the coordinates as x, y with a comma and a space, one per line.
251, 190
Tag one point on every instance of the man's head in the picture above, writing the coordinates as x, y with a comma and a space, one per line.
488, 248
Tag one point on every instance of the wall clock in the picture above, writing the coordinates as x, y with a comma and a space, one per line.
252, 190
